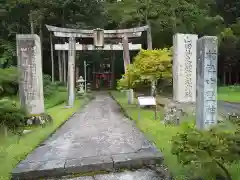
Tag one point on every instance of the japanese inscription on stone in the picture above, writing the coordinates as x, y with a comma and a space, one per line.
30, 73
188, 68
184, 67
207, 82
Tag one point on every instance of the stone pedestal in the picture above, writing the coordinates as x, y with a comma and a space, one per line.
71, 70
184, 67
29, 56
207, 54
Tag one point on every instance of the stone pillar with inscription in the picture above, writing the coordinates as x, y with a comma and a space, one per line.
207, 54
71, 71
29, 57
184, 67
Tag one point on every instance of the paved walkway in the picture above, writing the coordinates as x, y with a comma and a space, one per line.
99, 134
229, 107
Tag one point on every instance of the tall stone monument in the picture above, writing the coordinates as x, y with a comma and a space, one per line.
184, 67
71, 70
207, 54
29, 57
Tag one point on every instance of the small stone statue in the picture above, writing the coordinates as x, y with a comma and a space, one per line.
80, 83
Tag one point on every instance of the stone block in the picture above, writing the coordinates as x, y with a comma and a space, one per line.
207, 82
89, 164
29, 170
184, 67
25, 170
29, 56
137, 159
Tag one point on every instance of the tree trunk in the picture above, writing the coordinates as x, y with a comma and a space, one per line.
64, 67
237, 77
230, 78
153, 88
149, 36
224, 78
60, 66
52, 60
41, 36
31, 22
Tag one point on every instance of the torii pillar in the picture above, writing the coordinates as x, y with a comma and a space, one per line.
71, 70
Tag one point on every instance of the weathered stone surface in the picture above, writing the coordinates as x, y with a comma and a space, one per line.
184, 67
29, 57
33, 170
71, 69
76, 178
25, 170
175, 112
100, 130
136, 160
141, 174
89, 164
207, 82
129, 175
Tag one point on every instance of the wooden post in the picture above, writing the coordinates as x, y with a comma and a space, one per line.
60, 66
64, 67
52, 60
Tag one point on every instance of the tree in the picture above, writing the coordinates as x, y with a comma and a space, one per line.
148, 66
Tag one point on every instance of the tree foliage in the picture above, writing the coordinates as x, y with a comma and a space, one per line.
148, 65
208, 153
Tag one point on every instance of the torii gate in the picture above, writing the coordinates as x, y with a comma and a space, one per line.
98, 35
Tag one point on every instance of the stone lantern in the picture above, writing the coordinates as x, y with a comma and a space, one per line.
80, 83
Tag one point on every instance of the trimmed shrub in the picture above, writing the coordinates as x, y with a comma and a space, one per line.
11, 116
208, 153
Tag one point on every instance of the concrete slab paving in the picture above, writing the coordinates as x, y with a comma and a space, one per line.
99, 130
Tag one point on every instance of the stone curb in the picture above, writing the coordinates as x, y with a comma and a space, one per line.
59, 168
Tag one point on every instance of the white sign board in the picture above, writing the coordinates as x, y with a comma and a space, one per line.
147, 101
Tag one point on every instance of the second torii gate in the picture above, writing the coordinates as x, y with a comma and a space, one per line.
98, 35
62, 48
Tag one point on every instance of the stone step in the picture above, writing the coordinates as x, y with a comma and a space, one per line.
140, 174
61, 167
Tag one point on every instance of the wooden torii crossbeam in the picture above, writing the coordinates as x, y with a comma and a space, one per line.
90, 47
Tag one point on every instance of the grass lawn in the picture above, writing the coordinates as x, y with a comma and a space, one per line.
13, 150
162, 136
229, 93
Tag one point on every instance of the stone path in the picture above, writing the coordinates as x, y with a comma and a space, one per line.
97, 138
229, 107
